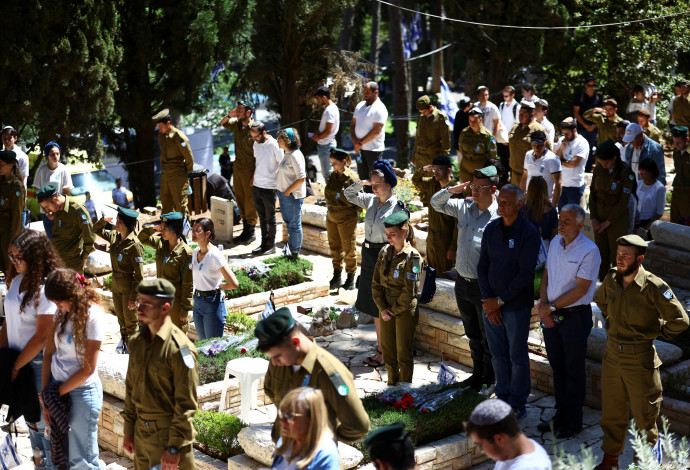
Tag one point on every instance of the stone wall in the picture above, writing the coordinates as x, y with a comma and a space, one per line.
450, 453
668, 256
254, 303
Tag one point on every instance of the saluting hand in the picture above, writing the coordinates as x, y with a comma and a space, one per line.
460, 188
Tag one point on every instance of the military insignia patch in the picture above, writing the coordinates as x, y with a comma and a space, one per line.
138, 259
412, 276
183, 143
187, 357
668, 294
339, 384
343, 390
631, 177
415, 269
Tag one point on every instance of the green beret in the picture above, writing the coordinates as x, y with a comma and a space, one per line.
273, 329
8, 156
336, 151
486, 172
163, 116
632, 240
679, 131
247, 104
443, 160
157, 288
128, 213
607, 150
396, 218
171, 217
385, 435
423, 103
47, 191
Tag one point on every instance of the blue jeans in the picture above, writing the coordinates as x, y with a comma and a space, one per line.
38, 438
508, 345
324, 152
47, 226
209, 315
82, 439
291, 209
570, 195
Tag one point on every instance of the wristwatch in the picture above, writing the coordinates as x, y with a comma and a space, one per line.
552, 306
172, 450
500, 301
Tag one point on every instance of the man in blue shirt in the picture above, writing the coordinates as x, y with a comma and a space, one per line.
507, 260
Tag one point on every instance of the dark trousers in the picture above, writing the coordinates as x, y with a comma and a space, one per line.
265, 204
366, 165
503, 152
591, 138
566, 345
570, 195
469, 300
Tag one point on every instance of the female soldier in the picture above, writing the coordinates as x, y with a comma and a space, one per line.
613, 183
341, 219
173, 262
12, 197
379, 205
394, 288
126, 258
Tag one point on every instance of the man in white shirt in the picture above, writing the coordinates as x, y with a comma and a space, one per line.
541, 107
508, 110
494, 428
490, 110
620, 133
268, 156
328, 128
567, 290
573, 150
540, 161
367, 130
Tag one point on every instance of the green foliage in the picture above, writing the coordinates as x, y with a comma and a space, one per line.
212, 368
218, 433
149, 254
108, 281
284, 272
238, 322
405, 191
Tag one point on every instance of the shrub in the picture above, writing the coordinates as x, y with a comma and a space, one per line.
212, 368
149, 254
217, 433
284, 272
108, 281
239, 322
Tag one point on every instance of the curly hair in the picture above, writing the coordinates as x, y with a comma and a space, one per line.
65, 285
41, 257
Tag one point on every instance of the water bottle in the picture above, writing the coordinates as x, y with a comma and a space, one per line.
358, 157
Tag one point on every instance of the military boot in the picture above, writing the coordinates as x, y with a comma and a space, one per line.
349, 282
247, 236
609, 462
337, 279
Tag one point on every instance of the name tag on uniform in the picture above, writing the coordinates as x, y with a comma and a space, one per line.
396, 274
2, 202
119, 257
59, 223
187, 357
337, 195
477, 239
138, 259
412, 276
511, 243
613, 186
305, 381
479, 148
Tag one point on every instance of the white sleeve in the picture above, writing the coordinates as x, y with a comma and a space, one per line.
219, 260
95, 326
66, 179
45, 306
556, 165
330, 114
579, 149
660, 198
381, 114
38, 179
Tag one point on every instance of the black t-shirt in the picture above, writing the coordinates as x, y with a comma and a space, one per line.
585, 103
224, 160
216, 185
462, 120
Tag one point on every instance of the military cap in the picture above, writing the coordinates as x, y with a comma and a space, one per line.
47, 191
542, 103
476, 111
163, 116
679, 131
538, 137
385, 435
396, 218
632, 240
9, 129
174, 220
322, 91
423, 103
526, 104
486, 172
645, 112
490, 412
128, 213
681, 82
385, 167
568, 123
247, 104
443, 160
632, 131
482, 88
623, 123
273, 329
337, 151
157, 288
607, 150
8, 156
610, 102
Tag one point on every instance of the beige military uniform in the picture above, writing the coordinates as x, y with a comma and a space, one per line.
73, 235
161, 400
653, 133
680, 199
443, 232
341, 220
433, 139
476, 148
606, 127
12, 199
635, 317
519, 143
321, 370
243, 169
176, 163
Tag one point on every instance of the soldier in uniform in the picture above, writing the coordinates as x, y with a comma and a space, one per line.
475, 146
126, 259
520, 139
606, 119
173, 262
394, 289
162, 379
443, 234
176, 163
12, 198
680, 201
390, 448
608, 202
433, 139
341, 219
240, 121
638, 307
73, 235
288, 347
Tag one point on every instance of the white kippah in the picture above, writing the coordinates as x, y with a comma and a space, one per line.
490, 412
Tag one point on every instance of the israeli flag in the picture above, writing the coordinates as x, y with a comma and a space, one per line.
269, 309
657, 451
448, 104
445, 375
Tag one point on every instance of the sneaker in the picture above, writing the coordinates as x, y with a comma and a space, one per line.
258, 250
487, 391
269, 251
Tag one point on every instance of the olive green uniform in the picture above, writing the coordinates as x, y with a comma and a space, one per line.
680, 199
519, 143
176, 266
681, 110
605, 126
12, 199
634, 316
653, 133
73, 235
243, 169
443, 232
176, 163
341, 220
433, 139
127, 260
608, 200
321, 370
395, 286
160, 401
476, 148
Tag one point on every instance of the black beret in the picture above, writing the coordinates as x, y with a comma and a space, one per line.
385, 435
443, 160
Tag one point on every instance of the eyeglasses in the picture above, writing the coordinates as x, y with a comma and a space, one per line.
198, 230
288, 415
146, 305
480, 188
437, 170
15, 259
591, 85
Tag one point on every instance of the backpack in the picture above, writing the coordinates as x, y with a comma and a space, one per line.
427, 281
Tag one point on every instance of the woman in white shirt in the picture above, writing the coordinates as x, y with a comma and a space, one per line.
29, 316
291, 187
70, 364
209, 267
651, 195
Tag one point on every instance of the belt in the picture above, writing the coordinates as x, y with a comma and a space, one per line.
205, 293
572, 309
636, 348
468, 279
367, 244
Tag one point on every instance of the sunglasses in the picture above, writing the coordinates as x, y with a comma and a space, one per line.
15, 259
288, 415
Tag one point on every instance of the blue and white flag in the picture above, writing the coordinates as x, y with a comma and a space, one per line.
269, 309
448, 104
657, 451
445, 375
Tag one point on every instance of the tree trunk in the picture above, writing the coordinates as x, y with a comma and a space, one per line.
400, 91
436, 42
345, 42
375, 33
140, 164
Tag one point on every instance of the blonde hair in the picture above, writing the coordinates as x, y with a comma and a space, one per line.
308, 401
